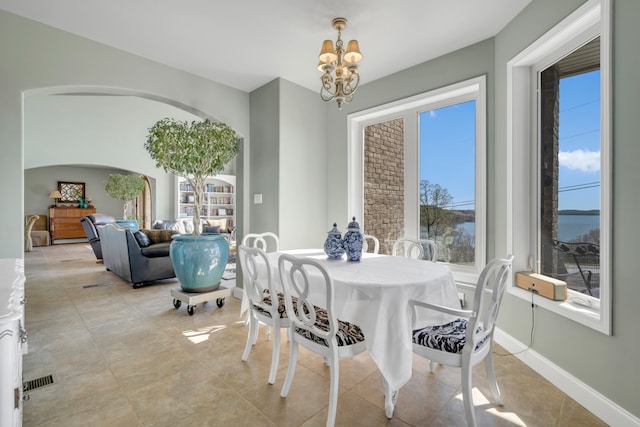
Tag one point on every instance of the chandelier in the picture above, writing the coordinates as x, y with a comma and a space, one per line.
339, 68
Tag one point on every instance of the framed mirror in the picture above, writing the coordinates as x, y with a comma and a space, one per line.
70, 191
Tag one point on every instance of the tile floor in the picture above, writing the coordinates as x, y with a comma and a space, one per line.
125, 357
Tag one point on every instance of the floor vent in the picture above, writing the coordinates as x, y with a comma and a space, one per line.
95, 285
37, 383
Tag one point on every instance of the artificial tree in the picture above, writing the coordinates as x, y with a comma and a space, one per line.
126, 188
194, 151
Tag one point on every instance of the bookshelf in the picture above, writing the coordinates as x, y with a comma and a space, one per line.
218, 200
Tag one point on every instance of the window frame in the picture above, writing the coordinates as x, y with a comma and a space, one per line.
409, 109
588, 21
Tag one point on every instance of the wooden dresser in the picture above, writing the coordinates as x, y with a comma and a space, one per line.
64, 222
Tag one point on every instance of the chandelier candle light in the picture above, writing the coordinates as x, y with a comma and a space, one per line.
340, 67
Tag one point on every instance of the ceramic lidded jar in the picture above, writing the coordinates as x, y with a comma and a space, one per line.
352, 241
333, 245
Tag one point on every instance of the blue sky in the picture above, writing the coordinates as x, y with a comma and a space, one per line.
447, 146
447, 153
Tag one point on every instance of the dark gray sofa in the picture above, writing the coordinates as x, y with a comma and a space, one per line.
90, 224
124, 256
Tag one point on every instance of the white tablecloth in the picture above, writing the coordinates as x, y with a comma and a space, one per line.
374, 294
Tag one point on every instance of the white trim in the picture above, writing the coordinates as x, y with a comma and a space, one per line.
587, 21
604, 408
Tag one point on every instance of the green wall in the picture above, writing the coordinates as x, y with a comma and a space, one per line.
606, 363
38, 59
264, 177
288, 164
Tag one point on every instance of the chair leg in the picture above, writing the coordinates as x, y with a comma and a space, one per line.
268, 332
390, 398
467, 394
275, 355
291, 369
334, 369
432, 365
493, 384
251, 338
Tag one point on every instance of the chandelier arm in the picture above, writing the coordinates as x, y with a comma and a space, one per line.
350, 88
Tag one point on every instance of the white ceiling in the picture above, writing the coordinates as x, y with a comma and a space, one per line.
247, 43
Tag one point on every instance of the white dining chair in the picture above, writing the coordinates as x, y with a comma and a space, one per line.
268, 241
374, 240
415, 248
266, 302
468, 339
316, 329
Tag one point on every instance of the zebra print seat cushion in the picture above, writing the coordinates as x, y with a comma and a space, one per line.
266, 299
449, 337
347, 334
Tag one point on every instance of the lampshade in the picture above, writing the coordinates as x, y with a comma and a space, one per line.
55, 194
352, 55
327, 53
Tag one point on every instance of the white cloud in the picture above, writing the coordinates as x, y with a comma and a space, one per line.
580, 160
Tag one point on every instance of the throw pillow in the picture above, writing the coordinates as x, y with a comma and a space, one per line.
142, 239
215, 229
222, 223
159, 236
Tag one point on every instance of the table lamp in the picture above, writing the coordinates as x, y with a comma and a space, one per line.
55, 195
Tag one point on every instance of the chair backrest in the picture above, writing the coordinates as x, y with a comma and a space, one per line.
30, 222
486, 302
268, 241
374, 240
257, 276
299, 276
415, 248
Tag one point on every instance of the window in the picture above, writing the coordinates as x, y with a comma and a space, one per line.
402, 156
559, 143
569, 169
447, 181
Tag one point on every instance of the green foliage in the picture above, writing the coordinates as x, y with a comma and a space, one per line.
124, 187
127, 188
196, 149
193, 151
434, 214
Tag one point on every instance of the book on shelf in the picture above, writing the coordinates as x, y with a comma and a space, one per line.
212, 188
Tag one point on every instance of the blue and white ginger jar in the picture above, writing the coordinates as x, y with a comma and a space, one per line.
352, 241
333, 245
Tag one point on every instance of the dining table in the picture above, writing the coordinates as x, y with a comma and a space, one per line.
374, 294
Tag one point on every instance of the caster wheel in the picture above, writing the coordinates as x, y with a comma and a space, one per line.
177, 303
191, 309
220, 302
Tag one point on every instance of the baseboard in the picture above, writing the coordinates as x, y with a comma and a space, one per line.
237, 292
604, 408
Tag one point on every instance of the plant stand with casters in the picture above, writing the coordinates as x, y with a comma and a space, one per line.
194, 298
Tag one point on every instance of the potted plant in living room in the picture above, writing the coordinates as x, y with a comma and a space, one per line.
126, 188
195, 151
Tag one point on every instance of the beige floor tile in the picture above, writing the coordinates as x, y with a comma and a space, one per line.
126, 357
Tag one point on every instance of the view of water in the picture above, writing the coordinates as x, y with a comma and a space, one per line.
573, 226
569, 226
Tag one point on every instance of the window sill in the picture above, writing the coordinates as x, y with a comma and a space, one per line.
581, 309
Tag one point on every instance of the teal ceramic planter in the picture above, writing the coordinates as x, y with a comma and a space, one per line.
199, 261
131, 223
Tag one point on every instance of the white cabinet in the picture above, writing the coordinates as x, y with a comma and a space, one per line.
219, 200
12, 338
